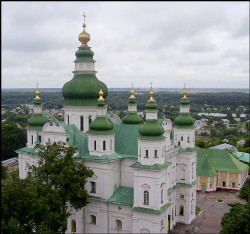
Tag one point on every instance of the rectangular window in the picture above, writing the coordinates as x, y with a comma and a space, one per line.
40, 138
211, 185
233, 185
104, 145
146, 154
156, 154
93, 219
223, 183
94, 145
182, 138
93, 187
32, 139
181, 196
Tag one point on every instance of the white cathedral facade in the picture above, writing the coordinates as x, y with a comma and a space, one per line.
144, 169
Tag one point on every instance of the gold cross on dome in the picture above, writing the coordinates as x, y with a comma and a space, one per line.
37, 85
84, 16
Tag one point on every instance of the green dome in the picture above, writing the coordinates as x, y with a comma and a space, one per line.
84, 54
101, 125
132, 118
184, 102
184, 119
37, 120
151, 106
83, 90
151, 128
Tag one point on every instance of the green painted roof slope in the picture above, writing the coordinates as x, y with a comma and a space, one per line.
83, 90
245, 157
184, 119
221, 160
126, 139
123, 196
101, 125
206, 169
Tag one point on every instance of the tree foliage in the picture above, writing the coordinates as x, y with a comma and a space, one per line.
13, 138
43, 199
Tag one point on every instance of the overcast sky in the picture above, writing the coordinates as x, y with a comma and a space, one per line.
202, 44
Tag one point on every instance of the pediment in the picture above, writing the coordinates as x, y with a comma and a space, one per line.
145, 186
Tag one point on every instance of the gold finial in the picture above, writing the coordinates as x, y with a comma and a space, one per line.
84, 37
37, 92
100, 96
206, 155
184, 93
132, 93
151, 93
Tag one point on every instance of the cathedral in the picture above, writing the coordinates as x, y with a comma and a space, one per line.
144, 168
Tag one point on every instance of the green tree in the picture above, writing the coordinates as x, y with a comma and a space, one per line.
237, 220
245, 192
4, 174
200, 143
46, 193
13, 138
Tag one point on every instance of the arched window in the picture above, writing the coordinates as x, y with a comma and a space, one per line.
118, 224
146, 154
146, 197
181, 210
68, 119
81, 123
32, 140
90, 119
188, 140
182, 176
104, 145
93, 219
94, 145
156, 154
73, 226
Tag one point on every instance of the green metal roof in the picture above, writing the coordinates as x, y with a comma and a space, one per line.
206, 169
242, 156
152, 211
153, 167
221, 160
184, 119
101, 125
181, 185
123, 196
31, 151
84, 54
126, 139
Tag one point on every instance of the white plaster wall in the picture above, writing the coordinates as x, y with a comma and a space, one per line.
184, 133
127, 173
84, 66
122, 213
184, 109
31, 133
78, 217
23, 160
110, 144
106, 176
185, 160
132, 108
151, 115
150, 222
151, 181
151, 146
53, 132
37, 109
75, 113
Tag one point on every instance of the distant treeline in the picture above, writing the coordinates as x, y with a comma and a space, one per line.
118, 100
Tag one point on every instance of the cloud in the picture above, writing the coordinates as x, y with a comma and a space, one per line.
139, 42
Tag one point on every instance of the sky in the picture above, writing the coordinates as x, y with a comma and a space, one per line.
199, 44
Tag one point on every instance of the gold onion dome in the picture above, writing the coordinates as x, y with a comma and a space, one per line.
84, 37
184, 94
100, 96
151, 93
132, 92
37, 95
